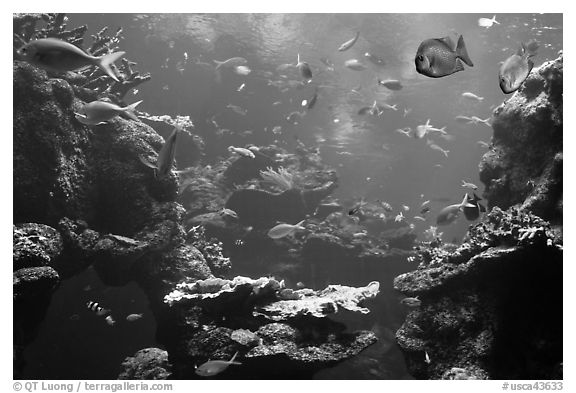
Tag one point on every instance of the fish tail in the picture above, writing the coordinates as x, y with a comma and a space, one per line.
129, 110
105, 61
462, 53
494, 20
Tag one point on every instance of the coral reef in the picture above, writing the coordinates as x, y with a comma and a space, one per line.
146, 364
478, 301
279, 332
524, 163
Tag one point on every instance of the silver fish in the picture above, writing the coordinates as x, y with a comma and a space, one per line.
133, 317
56, 55
231, 62
485, 22
472, 96
241, 151
392, 84
355, 64
450, 213
99, 112
165, 156
411, 301
348, 44
514, 71
283, 230
215, 367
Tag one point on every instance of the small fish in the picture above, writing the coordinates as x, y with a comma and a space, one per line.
406, 131
411, 301
437, 57
376, 60
282, 230
515, 69
450, 213
391, 84
312, 101
304, 68
241, 87
99, 112
237, 109
348, 44
406, 208
241, 151
214, 367
472, 96
242, 70
425, 210
231, 62
484, 144
134, 317
419, 218
485, 22
476, 120
407, 111
228, 212
109, 320
399, 217
355, 64
386, 106
300, 285
277, 130
472, 213
463, 119
356, 208
422, 129
95, 306
426, 358
469, 185
165, 156
56, 55
434, 146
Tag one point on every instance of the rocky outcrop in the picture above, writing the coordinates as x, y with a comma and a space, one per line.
146, 364
492, 307
524, 163
279, 332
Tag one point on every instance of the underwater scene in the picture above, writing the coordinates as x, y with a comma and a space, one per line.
287, 196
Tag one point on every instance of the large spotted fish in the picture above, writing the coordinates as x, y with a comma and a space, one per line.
437, 57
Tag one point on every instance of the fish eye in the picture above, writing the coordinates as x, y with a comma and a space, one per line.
420, 58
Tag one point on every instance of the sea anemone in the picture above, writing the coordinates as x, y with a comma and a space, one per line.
281, 178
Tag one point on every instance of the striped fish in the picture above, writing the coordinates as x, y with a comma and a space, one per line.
95, 306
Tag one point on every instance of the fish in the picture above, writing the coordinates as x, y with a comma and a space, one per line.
426, 358
348, 44
283, 230
109, 320
231, 62
472, 213
425, 210
95, 306
242, 70
437, 57
237, 109
355, 64
312, 101
372, 110
434, 146
485, 22
392, 84
450, 213
422, 130
214, 367
472, 96
356, 208
165, 156
476, 120
399, 217
515, 69
99, 112
241, 151
463, 119
304, 68
56, 55
471, 186
134, 317
376, 60
405, 207
407, 111
406, 131
241, 87
411, 301
419, 218
228, 212
386, 106
484, 144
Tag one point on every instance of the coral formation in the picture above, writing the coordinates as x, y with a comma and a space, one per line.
146, 364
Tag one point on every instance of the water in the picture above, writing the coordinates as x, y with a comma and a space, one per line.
373, 161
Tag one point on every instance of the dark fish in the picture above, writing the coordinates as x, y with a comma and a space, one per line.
514, 71
304, 68
312, 101
56, 55
425, 210
374, 59
165, 157
472, 213
437, 57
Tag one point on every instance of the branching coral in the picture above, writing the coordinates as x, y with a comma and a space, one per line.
281, 178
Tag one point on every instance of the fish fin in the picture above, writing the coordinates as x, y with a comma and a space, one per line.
218, 63
299, 225
494, 20
105, 61
129, 110
458, 66
462, 52
448, 41
233, 358
145, 161
236, 363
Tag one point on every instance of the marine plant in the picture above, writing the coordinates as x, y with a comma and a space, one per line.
281, 178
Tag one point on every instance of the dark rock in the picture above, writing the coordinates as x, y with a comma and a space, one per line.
35, 245
146, 364
525, 159
478, 301
245, 168
34, 283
